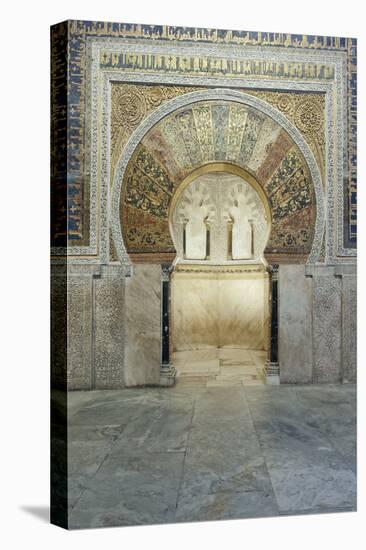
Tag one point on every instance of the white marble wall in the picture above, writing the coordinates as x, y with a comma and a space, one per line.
219, 310
113, 327
295, 325
194, 311
143, 312
114, 322
317, 323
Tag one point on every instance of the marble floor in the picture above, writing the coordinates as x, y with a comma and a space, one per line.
218, 367
198, 453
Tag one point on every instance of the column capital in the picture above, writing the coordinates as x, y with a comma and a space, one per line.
273, 270
165, 272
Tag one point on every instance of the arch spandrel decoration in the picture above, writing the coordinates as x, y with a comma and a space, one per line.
212, 126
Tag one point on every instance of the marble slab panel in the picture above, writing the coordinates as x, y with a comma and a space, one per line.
211, 310
163, 427
295, 325
195, 355
131, 490
195, 314
210, 366
220, 506
328, 487
242, 310
224, 471
230, 402
192, 453
234, 354
143, 312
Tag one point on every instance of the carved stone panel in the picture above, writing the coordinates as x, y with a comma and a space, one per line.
327, 326
79, 331
349, 328
109, 328
195, 238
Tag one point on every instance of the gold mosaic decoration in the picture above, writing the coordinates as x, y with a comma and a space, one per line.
217, 131
208, 132
306, 111
131, 103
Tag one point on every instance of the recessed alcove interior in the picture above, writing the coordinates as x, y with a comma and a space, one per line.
220, 224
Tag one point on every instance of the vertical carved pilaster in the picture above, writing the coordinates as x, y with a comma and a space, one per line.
272, 366
167, 371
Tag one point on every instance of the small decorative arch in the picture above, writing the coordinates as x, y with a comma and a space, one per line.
220, 167
220, 209
217, 94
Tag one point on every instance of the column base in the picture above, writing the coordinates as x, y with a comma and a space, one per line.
272, 373
167, 375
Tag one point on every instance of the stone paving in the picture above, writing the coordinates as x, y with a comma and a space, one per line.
221, 366
198, 453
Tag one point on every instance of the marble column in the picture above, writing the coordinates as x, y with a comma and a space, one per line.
272, 366
167, 371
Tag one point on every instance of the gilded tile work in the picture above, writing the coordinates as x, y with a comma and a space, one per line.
202, 121
148, 185
191, 137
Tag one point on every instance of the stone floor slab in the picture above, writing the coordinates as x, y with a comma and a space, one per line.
219, 506
207, 451
131, 490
